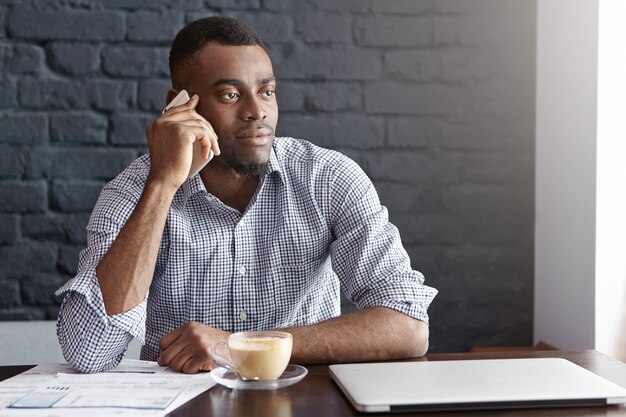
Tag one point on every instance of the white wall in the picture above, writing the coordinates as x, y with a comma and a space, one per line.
580, 240
565, 173
33, 342
610, 320
29, 343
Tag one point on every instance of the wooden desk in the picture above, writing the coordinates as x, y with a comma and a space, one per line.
317, 395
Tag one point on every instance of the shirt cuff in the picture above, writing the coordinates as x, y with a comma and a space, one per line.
86, 284
407, 298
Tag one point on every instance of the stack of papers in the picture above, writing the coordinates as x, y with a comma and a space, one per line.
134, 388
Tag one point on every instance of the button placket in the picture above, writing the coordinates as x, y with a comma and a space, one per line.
239, 276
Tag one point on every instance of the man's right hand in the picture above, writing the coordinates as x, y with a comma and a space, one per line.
188, 348
170, 140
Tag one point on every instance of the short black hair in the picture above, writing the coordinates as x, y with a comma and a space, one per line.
194, 36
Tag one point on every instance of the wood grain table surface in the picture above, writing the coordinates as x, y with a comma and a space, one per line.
318, 396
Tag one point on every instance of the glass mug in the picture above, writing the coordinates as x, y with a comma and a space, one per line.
262, 355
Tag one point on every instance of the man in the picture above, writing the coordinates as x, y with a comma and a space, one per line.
264, 237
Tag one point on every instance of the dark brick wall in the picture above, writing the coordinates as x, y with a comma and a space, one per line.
433, 98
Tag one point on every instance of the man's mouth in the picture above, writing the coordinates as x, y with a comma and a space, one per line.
255, 136
254, 133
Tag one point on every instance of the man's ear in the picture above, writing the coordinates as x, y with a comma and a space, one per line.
171, 93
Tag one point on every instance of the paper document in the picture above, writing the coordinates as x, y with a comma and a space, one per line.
140, 388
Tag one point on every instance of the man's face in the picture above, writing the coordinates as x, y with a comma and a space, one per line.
236, 85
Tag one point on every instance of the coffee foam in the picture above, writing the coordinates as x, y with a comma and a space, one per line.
260, 343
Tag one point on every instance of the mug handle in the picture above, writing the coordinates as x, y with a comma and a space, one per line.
220, 360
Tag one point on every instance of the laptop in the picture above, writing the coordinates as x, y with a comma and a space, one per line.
472, 385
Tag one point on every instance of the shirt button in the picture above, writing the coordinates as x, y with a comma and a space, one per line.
243, 316
242, 270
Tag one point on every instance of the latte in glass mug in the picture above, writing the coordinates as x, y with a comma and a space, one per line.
260, 355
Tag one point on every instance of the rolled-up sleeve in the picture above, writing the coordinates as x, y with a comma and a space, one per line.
367, 253
92, 341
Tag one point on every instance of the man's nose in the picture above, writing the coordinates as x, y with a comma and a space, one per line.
253, 109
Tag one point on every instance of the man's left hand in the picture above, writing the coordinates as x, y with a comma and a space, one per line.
188, 348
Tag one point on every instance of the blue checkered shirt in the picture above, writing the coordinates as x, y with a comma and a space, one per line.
313, 228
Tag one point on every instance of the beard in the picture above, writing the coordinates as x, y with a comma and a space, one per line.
251, 170
246, 161
249, 165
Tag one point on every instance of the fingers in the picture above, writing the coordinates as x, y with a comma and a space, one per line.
185, 360
188, 362
204, 133
176, 356
185, 113
172, 352
193, 366
188, 348
189, 105
193, 101
192, 119
195, 130
170, 338
207, 140
181, 115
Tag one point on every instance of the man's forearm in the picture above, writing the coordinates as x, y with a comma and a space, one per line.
125, 273
372, 334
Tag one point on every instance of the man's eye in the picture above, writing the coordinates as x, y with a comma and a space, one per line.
231, 96
269, 93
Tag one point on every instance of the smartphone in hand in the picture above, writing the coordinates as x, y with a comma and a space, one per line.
197, 162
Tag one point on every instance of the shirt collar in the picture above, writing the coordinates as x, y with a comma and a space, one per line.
195, 185
274, 164
192, 186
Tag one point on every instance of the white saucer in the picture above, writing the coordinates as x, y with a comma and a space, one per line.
228, 378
